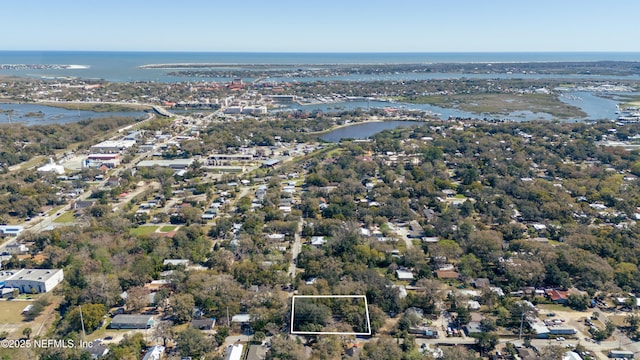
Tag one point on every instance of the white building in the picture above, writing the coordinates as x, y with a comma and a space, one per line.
233, 110
275, 237
97, 160
52, 167
112, 146
234, 352
404, 274
570, 355
176, 262
11, 230
318, 240
17, 249
176, 164
32, 280
154, 353
255, 110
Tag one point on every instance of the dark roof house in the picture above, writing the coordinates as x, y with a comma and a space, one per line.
480, 283
131, 322
203, 324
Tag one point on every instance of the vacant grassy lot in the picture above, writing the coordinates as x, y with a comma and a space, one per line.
11, 311
144, 230
67, 217
11, 321
168, 228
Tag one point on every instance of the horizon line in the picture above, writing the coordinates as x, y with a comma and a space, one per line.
339, 52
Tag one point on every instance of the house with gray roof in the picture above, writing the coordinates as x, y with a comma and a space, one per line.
124, 321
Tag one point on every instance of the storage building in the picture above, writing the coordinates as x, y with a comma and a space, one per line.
30, 281
131, 322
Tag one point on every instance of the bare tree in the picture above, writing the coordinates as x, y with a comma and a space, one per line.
137, 298
164, 331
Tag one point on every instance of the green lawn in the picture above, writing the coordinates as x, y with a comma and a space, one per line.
67, 217
54, 210
168, 228
143, 230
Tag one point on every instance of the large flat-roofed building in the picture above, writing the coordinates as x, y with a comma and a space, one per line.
621, 354
281, 98
219, 159
227, 169
112, 146
11, 230
131, 322
271, 162
255, 110
29, 281
97, 160
233, 110
176, 164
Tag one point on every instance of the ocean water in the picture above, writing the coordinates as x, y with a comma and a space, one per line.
125, 66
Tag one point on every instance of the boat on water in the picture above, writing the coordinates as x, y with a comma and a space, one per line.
629, 115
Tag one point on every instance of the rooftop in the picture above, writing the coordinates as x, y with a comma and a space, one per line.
131, 319
166, 163
29, 274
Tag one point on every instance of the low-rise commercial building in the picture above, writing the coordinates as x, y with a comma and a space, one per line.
11, 230
112, 146
220, 159
30, 281
621, 354
176, 164
97, 160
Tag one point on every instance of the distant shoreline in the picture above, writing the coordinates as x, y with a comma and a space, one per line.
168, 67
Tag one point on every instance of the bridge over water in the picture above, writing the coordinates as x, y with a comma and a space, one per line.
162, 111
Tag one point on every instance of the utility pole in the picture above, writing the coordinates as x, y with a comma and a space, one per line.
84, 335
228, 321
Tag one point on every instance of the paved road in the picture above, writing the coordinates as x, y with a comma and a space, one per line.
403, 232
295, 249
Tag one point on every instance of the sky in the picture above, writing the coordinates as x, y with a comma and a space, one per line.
322, 25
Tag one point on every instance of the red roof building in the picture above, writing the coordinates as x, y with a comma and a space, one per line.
557, 296
447, 274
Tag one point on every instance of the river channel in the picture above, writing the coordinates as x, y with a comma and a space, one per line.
34, 114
